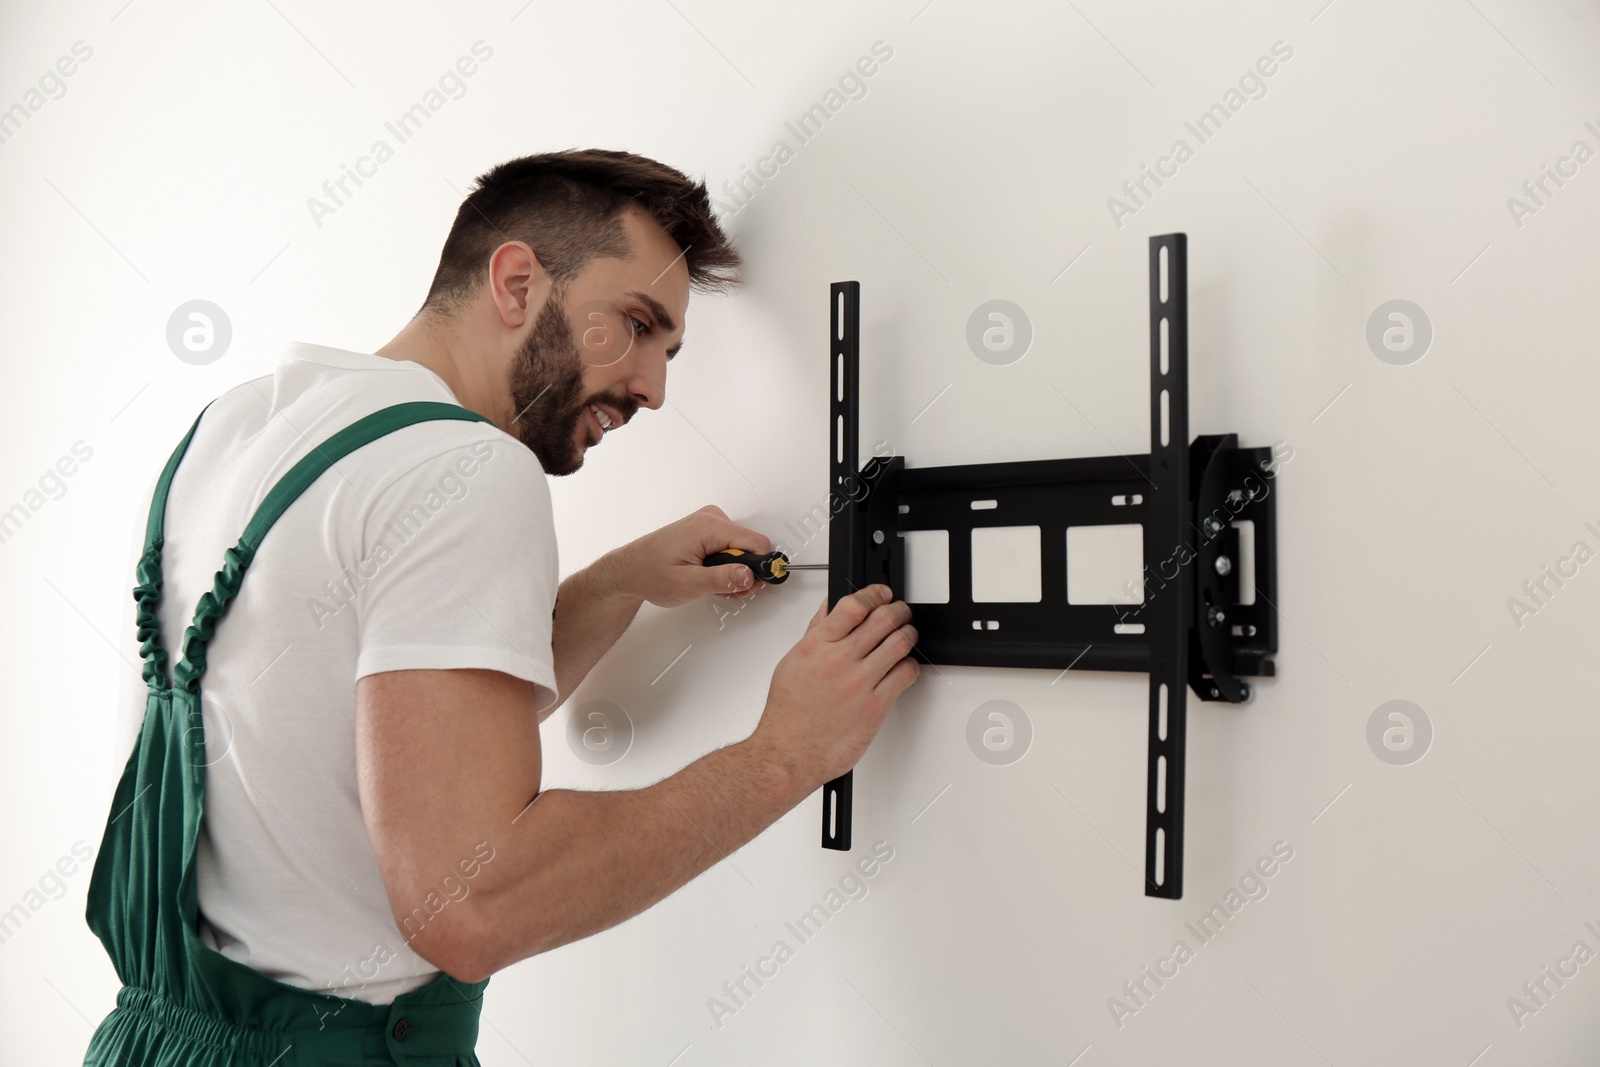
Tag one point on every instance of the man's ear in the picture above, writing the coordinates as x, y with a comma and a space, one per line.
518, 283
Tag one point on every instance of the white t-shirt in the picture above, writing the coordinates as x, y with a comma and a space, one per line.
431, 547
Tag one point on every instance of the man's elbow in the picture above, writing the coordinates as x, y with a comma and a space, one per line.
469, 940
449, 939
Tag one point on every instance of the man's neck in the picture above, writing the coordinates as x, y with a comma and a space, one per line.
467, 375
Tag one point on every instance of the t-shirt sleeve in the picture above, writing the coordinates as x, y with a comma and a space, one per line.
460, 566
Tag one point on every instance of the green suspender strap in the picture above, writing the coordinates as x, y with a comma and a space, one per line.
182, 1002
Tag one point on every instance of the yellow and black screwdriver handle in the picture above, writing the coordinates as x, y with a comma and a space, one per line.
770, 567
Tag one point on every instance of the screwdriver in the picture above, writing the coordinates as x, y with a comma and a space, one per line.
770, 567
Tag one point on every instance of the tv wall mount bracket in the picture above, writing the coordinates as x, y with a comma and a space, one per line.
1190, 632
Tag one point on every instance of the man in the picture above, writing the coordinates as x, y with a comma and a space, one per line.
375, 842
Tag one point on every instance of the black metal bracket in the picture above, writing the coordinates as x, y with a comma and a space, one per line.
1191, 629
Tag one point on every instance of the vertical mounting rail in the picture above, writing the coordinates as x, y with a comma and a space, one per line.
847, 565
1168, 540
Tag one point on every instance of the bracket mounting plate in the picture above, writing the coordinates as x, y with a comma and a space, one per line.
1201, 505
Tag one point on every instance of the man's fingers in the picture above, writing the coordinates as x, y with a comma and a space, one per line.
851, 610
732, 535
716, 536
891, 649
879, 624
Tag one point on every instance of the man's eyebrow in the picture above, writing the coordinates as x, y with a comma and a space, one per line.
661, 314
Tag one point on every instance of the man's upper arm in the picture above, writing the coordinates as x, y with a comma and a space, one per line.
445, 759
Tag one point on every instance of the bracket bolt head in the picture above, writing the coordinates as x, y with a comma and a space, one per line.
1215, 692
1244, 691
1224, 565
1211, 526
1215, 616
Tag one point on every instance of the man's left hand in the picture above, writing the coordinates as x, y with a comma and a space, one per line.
667, 567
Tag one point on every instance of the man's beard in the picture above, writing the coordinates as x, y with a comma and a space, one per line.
547, 388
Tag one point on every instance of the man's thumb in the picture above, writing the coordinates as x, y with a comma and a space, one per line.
732, 576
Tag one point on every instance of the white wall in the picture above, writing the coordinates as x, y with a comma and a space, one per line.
978, 164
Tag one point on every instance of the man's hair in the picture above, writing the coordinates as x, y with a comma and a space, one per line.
568, 207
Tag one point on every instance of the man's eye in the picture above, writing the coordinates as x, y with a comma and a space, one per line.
639, 327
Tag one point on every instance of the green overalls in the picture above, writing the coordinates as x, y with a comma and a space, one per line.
183, 1002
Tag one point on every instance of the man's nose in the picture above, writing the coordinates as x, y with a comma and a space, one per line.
643, 386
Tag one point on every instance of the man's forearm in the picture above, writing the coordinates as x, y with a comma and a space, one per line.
575, 863
592, 611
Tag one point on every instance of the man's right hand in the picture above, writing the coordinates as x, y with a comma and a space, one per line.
831, 692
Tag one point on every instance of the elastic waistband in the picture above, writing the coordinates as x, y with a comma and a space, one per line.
196, 1026
408, 1030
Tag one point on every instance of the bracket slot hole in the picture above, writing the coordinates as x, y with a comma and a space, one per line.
1006, 564
927, 566
1247, 560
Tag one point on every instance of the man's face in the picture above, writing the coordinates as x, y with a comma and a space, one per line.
602, 338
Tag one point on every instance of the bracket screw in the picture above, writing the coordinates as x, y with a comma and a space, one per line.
1215, 692
1211, 526
1215, 616
1244, 691
1224, 565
